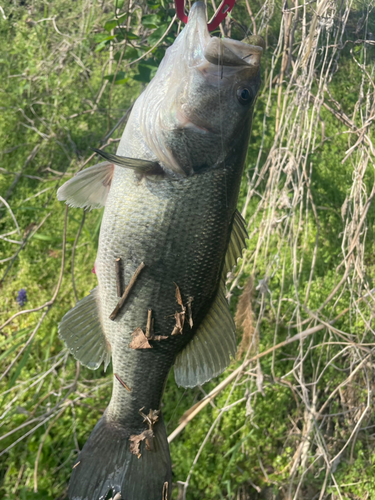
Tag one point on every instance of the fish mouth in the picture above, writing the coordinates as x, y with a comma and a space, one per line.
207, 54
233, 53
204, 50
219, 51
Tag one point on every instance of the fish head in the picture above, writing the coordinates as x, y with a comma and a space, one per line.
200, 103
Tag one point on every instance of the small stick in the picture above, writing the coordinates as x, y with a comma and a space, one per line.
122, 382
165, 491
159, 337
151, 419
149, 325
75, 465
179, 298
118, 276
125, 295
190, 312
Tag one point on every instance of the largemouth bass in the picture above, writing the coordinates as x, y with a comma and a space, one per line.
170, 223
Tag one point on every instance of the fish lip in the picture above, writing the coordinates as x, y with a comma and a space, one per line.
197, 36
217, 51
232, 53
197, 15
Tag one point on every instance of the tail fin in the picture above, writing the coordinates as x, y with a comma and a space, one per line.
107, 464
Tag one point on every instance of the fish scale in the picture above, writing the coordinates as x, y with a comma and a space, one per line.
193, 263
170, 196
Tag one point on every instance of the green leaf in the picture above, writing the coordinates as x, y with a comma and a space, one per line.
110, 25
10, 350
119, 3
104, 42
101, 46
157, 34
119, 76
153, 4
146, 73
129, 35
101, 37
130, 53
113, 23
121, 82
150, 21
18, 335
20, 366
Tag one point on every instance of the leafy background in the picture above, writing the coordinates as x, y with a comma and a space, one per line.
298, 422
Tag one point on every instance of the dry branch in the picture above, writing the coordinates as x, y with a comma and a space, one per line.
190, 414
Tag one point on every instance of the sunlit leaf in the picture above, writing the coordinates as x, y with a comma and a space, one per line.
151, 21
119, 76
113, 23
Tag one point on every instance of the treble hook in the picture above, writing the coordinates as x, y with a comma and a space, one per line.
222, 12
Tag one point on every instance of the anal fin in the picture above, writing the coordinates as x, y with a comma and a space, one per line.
82, 333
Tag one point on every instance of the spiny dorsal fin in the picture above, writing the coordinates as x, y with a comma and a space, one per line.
82, 333
89, 188
141, 166
209, 351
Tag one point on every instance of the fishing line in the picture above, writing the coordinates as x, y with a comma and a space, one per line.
220, 78
246, 31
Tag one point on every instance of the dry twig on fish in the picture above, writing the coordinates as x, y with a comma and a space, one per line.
149, 327
148, 435
118, 276
122, 382
125, 295
179, 316
140, 340
190, 312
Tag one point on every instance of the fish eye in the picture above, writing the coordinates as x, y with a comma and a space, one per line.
245, 95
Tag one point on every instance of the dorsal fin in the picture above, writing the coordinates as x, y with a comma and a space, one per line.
237, 243
141, 166
209, 351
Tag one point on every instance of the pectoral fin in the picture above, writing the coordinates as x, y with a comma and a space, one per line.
89, 188
141, 166
209, 352
82, 333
